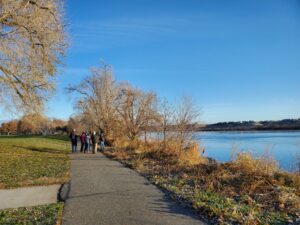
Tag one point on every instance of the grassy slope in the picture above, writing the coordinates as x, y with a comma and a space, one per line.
27, 161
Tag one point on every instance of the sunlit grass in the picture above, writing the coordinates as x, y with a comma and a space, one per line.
28, 161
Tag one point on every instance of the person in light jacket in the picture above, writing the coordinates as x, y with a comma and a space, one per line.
95, 140
87, 142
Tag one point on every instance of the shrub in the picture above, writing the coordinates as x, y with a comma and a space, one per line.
191, 155
264, 165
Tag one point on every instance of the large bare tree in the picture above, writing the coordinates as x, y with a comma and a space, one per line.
151, 116
96, 98
32, 42
136, 110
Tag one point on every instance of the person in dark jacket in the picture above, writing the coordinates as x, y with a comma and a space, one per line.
102, 141
73, 137
82, 140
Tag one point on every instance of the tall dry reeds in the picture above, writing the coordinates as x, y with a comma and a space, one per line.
264, 165
298, 158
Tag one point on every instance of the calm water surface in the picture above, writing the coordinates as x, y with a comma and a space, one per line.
283, 145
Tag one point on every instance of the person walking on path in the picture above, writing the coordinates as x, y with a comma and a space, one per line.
90, 143
82, 140
73, 138
102, 142
87, 142
95, 140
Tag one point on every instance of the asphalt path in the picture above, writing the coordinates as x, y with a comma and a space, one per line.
103, 191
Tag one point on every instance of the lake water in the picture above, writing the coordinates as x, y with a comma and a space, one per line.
283, 145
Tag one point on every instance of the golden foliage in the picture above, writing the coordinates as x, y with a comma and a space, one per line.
32, 41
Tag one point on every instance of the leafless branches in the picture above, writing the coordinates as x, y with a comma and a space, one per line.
186, 114
96, 97
122, 111
32, 41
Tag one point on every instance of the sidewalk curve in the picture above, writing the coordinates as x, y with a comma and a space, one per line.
103, 191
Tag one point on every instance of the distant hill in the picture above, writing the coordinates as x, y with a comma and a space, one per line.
286, 124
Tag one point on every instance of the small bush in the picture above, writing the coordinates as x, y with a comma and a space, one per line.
264, 165
191, 155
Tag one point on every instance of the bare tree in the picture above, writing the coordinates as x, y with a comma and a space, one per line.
75, 123
151, 116
166, 120
186, 114
121, 110
32, 41
34, 124
128, 108
136, 110
96, 100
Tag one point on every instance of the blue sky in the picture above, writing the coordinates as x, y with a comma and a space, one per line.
238, 59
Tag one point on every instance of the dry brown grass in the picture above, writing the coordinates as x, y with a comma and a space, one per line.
121, 143
191, 155
264, 165
253, 183
298, 160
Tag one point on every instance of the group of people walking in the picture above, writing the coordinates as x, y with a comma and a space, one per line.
89, 141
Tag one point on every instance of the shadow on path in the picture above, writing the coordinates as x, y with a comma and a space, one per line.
104, 192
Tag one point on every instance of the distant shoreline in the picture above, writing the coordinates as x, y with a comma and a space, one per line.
269, 125
228, 130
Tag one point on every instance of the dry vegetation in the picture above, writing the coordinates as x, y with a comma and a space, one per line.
33, 124
244, 191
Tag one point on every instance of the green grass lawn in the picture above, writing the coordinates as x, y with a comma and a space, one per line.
28, 161
39, 215
33, 160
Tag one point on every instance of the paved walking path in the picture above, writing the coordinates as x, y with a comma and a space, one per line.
28, 196
104, 192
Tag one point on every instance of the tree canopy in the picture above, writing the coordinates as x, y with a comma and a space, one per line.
32, 42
